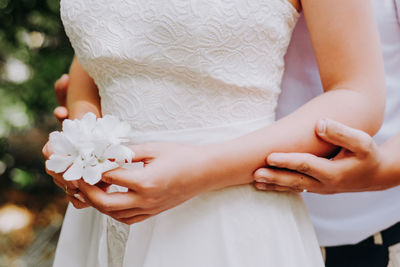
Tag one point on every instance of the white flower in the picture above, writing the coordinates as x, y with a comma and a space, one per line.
89, 147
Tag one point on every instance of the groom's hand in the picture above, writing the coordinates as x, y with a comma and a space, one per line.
61, 88
356, 168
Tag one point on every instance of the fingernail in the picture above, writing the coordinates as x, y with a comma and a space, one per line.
80, 198
261, 186
321, 127
63, 77
273, 159
262, 176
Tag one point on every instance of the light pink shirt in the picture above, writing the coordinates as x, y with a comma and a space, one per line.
348, 218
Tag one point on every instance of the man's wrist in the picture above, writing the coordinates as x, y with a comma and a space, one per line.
388, 173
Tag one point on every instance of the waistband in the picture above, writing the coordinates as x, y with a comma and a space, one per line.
203, 135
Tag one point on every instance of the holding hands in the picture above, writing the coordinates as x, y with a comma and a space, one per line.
152, 189
173, 173
355, 168
170, 176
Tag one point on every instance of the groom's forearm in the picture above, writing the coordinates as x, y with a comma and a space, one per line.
389, 175
82, 96
236, 160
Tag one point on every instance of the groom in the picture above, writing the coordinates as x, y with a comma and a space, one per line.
357, 229
342, 220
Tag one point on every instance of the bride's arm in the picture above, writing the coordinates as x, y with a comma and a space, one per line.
83, 95
346, 44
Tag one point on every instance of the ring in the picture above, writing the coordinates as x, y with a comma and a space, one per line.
66, 189
305, 190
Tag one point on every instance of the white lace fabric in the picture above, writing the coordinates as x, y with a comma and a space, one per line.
205, 62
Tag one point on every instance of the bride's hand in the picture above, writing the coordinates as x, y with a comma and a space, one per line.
172, 174
70, 188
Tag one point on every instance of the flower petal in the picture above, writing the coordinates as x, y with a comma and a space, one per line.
133, 165
92, 174
59, 163
74, 172
109, 165
71, 130
60, 144
120, 153
99, 148
88, 123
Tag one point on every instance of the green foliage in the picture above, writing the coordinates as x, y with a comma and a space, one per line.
34, 52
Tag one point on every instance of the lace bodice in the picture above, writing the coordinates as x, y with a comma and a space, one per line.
179, 64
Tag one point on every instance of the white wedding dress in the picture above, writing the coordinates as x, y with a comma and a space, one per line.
192, 71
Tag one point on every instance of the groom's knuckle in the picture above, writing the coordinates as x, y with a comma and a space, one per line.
152, 202
366, 145
303, 167
336, 180
297, 184
273, 179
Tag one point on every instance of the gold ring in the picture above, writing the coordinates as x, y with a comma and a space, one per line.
66, 189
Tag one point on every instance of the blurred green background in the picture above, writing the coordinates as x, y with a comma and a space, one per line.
34, 52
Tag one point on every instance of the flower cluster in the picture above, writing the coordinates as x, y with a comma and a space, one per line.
89, 147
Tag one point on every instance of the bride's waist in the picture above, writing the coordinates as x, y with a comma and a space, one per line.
202, 135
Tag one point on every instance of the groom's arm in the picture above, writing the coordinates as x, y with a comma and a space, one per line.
77, 94
81, 92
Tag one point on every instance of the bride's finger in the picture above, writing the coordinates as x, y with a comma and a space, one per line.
77, 203
123, 214
131, 179
47, 151
135, 219
273, 187
60, 185
59, 178
143, 152
107, 202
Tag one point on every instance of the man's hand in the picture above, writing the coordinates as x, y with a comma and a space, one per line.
355, 168
61, 88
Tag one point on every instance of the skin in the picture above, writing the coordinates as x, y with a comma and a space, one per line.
346, 45
360, 166
61, 89
87, 100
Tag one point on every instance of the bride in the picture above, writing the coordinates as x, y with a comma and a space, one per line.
198, 80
